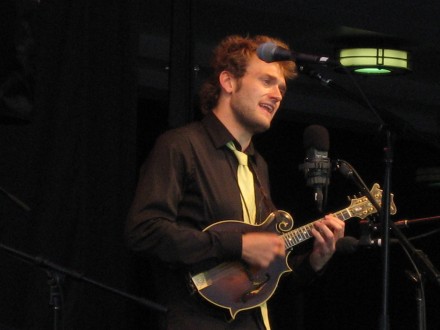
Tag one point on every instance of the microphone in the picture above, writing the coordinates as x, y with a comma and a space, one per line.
408, 223
316, 165
420, 221
270, 52
349, 244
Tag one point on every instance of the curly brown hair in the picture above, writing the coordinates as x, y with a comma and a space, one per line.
232, 54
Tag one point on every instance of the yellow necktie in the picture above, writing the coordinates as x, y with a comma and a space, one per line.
246, 184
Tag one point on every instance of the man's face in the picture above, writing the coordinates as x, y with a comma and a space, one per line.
257, 95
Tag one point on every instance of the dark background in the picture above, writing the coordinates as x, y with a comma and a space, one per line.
86, 87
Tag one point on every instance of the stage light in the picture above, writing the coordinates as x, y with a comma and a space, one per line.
378, 61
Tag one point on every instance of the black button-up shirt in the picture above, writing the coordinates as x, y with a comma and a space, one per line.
189, 182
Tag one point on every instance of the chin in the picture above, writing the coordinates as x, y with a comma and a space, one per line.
261, 127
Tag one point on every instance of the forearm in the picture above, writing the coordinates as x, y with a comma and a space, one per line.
177, 244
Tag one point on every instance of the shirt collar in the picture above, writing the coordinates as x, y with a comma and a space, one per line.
220, 135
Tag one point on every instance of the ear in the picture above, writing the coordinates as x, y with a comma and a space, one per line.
227, 81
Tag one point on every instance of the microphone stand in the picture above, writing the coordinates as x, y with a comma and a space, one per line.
17, 201
417, 257
420, 258
384, 318
56, 275
385, 220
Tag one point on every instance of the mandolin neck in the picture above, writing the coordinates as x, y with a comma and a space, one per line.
303, 233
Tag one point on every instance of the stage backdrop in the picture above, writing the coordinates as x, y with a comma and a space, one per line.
73, 132
70, 156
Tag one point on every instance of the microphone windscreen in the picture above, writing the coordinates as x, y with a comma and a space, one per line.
266, 51
316, 136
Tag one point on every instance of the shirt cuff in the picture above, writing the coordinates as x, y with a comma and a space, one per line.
303, 271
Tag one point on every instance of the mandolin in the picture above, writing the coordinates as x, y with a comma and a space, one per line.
236, 286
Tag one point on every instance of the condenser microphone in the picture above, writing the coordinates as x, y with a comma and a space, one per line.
350, 245
270, 52
317, 165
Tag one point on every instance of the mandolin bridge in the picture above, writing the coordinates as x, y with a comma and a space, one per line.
257, 286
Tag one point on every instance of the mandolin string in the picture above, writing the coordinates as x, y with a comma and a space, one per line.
292, 238
303, 233
223, 269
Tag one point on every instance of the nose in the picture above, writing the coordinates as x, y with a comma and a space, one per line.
276, 94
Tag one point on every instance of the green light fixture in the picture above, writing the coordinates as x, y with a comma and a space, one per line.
376, 61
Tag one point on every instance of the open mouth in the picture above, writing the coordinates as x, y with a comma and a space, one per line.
270, 108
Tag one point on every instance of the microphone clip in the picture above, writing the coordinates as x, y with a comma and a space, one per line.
366, 229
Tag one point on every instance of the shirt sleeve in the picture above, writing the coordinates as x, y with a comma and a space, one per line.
302, 274
152, 225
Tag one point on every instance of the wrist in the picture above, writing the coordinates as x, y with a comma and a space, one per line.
317, 262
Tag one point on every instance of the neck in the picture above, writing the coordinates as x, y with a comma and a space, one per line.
227, 118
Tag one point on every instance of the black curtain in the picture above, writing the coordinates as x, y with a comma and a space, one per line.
70, 133
72, 159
